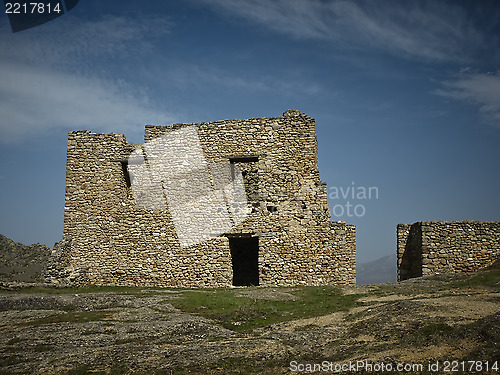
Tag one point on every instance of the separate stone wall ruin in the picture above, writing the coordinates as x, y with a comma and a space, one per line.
431, 247
287, 238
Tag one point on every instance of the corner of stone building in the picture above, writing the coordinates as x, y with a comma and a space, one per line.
59, 271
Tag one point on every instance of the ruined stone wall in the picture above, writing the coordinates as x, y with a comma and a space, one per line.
118, 243
409, 237
344, 240
402, 234
426, 248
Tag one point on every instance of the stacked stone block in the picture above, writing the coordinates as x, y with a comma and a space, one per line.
118, 243
431, 247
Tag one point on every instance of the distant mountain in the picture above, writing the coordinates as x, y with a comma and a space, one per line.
383, 270
19, 262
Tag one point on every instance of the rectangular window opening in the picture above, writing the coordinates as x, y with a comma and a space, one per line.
250, 174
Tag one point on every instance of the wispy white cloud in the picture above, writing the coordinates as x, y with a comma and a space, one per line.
55, 79
479, 89
190, 75
304, 19
427, 30
38, 100
71, 41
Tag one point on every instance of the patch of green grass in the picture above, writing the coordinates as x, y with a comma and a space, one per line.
437, 284
434, 332
243, 314
488, 279
436, 329
70, 317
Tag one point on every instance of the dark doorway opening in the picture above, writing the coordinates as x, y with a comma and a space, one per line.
245, 259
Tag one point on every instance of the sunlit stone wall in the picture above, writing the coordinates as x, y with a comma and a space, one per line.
115, 241
431, 247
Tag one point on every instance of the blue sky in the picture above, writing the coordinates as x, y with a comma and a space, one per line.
406, 97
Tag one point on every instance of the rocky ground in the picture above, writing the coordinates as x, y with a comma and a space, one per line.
421, 321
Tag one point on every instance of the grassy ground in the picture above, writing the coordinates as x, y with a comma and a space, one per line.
423, 317
243, 314
225, 306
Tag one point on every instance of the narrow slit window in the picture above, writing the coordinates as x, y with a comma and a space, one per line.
124, 163
244, 159
126, 174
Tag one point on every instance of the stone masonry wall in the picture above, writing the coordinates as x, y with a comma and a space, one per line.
344, 237
118, 243
430, 247
409, 252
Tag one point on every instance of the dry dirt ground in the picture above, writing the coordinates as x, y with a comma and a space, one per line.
423, 321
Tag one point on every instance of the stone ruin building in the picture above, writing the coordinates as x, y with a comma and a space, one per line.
137, 214
431, 247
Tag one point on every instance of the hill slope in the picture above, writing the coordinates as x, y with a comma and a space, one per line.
23, 263
383, 270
